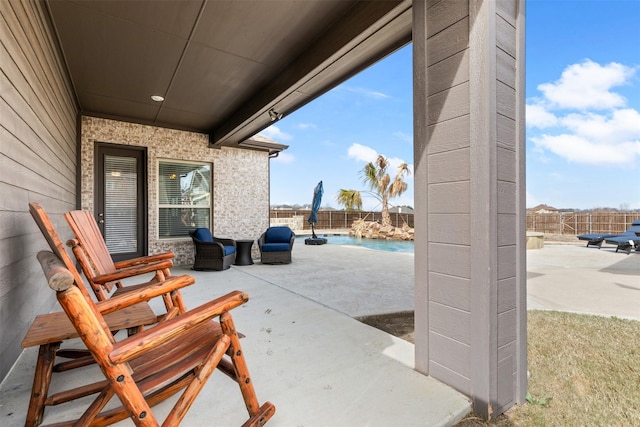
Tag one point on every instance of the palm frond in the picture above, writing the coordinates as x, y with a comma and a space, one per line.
369, 176
350, 199
397, 187
403, 170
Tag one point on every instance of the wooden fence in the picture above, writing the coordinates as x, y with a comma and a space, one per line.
568, 223
333, 220
573, 223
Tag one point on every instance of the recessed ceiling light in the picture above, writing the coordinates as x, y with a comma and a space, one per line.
157, 98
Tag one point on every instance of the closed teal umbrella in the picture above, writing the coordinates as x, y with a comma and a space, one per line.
313, 217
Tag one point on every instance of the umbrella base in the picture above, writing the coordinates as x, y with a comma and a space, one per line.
315, 241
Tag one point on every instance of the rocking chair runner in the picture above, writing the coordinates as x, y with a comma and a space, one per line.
103, 274
154, 364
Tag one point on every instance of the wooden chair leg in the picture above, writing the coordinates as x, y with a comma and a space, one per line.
41, 382
176, 298
258, 415
203, 373
94, 409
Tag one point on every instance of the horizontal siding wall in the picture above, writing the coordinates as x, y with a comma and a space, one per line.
448, 177
507, 171
37, 163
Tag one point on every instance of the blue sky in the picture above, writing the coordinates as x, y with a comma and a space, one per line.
583, 115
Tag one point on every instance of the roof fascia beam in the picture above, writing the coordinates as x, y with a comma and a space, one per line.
374, 28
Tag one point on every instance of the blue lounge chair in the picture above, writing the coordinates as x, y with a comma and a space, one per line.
597, 239
627, 240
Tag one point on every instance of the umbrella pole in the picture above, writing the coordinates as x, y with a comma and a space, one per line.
313, 231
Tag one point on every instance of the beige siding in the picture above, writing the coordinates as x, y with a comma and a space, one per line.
450, 228
470, 102
240, 179
507, 174
37, 163
449, 135
450, 290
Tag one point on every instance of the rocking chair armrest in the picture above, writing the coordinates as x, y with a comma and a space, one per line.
144, 260
134, 270
146, 293
165, 331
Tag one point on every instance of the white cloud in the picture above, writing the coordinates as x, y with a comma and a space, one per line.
578, 149
274, 132
539, 117
362, 153
367, 92
285, 158
620, 127
588, 86
609, 136
595, 138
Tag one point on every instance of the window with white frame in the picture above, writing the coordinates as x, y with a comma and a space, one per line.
184, 197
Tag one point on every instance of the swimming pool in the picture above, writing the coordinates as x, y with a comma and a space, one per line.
378, 245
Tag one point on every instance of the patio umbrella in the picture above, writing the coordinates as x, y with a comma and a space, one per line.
313, 217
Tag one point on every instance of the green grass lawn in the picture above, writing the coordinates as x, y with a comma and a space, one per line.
584, 371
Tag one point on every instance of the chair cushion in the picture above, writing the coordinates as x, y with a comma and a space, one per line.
623, 238
229, 250
276, 247
278, 235
203, 234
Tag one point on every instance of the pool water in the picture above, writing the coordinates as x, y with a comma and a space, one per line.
375, 244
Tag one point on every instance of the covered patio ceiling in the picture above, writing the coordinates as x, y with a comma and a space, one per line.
221, 66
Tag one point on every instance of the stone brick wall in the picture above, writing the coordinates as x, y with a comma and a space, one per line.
240, 179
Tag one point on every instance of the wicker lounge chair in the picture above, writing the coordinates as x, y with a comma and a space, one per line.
212, 253
276, 244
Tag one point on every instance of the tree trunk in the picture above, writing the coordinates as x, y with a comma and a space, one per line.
386, 219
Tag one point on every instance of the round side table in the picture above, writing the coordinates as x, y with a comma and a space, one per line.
243, 252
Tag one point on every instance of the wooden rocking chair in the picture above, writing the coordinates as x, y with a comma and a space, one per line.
103, 274
48, 331
154, 364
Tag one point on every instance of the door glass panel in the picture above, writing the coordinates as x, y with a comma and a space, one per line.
120, 204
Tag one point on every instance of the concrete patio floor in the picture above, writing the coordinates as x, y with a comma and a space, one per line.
318, 365
574, 278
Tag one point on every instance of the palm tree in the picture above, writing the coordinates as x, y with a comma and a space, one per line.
376, 177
